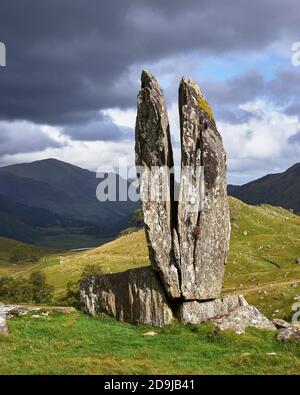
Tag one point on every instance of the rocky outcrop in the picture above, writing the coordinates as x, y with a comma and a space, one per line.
196, 312
291, 333
244, 317
188, 240
135, 296
3, 326
154, 158
280, 324
203, 210
11, 311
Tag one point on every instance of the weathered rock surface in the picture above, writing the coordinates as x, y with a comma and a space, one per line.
280, 324
188, 242
154, 155
203, 210
135, 296
242, 318
10, 311
291, 333
195, 312
3, 326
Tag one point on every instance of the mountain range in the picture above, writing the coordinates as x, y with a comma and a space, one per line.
281, 189
53, 203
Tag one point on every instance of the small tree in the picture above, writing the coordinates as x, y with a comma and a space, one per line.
137, 219
41, 291
92, 270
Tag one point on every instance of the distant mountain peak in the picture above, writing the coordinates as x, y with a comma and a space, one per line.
280, 189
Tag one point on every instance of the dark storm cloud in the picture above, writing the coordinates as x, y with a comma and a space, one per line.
67, 59
226, 96
283, 90
21, 137
98, 129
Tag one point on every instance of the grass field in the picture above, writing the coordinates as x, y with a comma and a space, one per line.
79, 344
265, 244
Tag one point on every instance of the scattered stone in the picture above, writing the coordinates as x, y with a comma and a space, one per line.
134, 296
271, 353
245, 233
242, 318
280, 324
292, 333
36, 316
3, 326
150, 334
196, 312
10, 311
298, 261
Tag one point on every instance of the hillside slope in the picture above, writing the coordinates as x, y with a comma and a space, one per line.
282, 189
53, 203
265, 244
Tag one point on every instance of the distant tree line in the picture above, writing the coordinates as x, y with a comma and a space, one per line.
22, 290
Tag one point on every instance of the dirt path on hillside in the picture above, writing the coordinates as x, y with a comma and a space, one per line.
264, 286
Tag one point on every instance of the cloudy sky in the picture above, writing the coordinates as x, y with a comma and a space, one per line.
69, 88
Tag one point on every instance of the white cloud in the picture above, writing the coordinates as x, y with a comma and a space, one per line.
260, 145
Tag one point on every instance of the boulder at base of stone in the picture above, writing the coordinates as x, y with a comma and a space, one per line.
195, 312
242, 318
3, 326
135, 296
292, 333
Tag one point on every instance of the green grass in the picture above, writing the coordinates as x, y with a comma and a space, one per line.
79, 344
265, 244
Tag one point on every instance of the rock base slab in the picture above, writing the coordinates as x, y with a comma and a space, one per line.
3, 326
291, 333
134, 296
242, 318
196, 312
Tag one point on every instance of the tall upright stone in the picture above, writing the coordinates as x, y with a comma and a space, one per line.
188, 243
203, 210
154, 158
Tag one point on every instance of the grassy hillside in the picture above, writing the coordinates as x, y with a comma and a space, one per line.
17, 258
281, 189
53, 203
264, 247
265, 244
